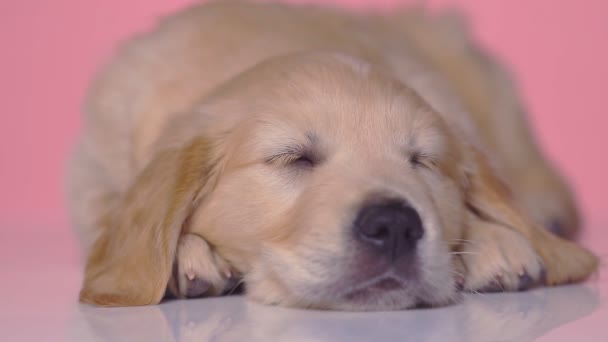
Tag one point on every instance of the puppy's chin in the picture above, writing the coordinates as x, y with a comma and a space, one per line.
388, 293
363, 299
385, 292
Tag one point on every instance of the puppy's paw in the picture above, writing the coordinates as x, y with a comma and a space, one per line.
564, 260
199, 271
499, 259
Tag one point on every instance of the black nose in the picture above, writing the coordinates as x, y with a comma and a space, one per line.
389, 226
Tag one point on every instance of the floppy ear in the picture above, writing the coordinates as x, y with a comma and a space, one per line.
491, 200
131, 261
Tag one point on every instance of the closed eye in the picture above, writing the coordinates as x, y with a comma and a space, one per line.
420, 159
303, 161
294, 156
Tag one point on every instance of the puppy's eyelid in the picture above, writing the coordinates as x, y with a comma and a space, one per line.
303, 161
291, 156
285, 153
421, 159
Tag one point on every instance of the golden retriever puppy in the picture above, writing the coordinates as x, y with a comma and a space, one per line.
325, 159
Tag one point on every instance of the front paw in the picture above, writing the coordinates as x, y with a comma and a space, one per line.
199, 271
499, 259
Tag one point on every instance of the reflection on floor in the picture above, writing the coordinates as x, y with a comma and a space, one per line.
492, 317
41, 277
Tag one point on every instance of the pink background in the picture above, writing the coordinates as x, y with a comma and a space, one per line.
49, 50
558, 49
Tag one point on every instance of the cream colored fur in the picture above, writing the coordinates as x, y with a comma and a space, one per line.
183, 124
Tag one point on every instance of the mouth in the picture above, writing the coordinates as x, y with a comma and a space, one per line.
375, 287
391, 291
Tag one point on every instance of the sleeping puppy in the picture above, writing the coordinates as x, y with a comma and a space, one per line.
327, 160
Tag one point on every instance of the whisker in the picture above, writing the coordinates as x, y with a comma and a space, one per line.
458, 273
475, 292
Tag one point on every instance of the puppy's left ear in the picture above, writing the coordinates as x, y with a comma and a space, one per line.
131, 261
490, 199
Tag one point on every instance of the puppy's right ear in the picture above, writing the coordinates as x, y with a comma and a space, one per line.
131, 261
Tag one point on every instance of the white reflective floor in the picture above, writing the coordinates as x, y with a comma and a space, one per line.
40, 277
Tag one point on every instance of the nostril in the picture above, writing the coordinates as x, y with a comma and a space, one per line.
415, 232
374, 233
378, 232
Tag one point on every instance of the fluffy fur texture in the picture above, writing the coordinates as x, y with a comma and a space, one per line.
240, 140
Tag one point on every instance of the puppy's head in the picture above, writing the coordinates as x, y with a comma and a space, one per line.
326, 183
339, 188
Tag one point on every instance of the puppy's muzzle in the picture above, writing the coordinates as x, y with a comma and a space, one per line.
390, 227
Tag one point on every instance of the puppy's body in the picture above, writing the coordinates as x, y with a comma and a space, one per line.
221, 69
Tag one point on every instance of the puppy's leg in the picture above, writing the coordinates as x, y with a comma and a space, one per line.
497, 258
537, 186
546, 198
198, 270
